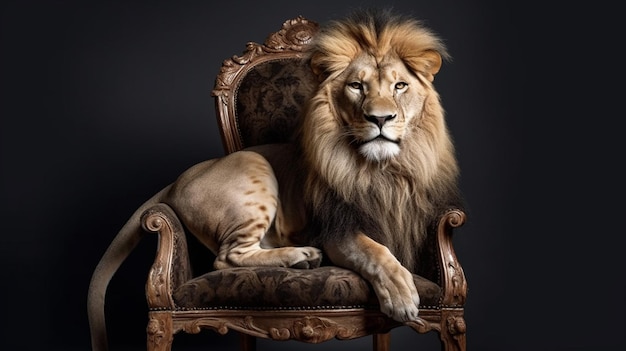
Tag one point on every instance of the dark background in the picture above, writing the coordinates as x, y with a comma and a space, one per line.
104, 103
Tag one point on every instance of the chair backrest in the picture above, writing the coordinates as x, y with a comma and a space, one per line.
259, 95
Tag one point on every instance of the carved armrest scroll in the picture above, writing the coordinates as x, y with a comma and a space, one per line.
171, 265
453, 281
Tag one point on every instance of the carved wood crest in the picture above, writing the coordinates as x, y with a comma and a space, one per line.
294, 36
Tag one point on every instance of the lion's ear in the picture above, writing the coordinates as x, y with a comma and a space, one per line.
428, 63
433, 61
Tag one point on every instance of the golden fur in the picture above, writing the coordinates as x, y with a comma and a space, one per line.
403, 192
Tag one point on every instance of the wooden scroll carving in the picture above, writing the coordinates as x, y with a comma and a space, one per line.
172, 247
294, 36
453, 279
281, 325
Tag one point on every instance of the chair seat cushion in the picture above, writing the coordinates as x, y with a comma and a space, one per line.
272, 287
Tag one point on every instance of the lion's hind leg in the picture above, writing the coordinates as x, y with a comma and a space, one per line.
247, 256
248, 215
243, 249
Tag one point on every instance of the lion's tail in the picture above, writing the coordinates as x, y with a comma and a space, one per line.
119, 249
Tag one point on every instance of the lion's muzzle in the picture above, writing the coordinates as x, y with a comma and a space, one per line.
380, 120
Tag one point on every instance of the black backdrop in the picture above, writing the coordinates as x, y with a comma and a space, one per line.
104, 103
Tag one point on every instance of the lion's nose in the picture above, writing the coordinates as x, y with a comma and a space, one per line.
379, 120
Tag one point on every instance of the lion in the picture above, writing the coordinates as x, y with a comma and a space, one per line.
372, 164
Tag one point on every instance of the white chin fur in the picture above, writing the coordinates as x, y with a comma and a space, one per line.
379, 150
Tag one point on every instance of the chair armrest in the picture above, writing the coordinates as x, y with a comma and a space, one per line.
453, 283
171, 265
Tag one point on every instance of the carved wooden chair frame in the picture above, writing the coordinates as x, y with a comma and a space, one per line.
171, 266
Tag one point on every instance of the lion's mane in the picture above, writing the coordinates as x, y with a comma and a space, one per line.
395, 200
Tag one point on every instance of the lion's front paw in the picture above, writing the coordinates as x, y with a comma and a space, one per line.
398, 296
310, 257
310, 264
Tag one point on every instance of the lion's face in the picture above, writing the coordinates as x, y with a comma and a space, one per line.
375, 120
377, 102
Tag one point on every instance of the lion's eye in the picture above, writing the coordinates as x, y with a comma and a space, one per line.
401, 85
355, 85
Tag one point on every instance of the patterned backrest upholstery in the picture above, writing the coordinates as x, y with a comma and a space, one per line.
260, 94
269, 100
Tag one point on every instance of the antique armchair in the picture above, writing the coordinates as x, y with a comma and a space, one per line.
258, 96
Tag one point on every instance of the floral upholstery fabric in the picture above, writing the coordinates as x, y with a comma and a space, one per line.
272, 287
269, 101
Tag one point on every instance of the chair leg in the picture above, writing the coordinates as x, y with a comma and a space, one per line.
381, 341
452, 334
248, 342
160, 332
450, 343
